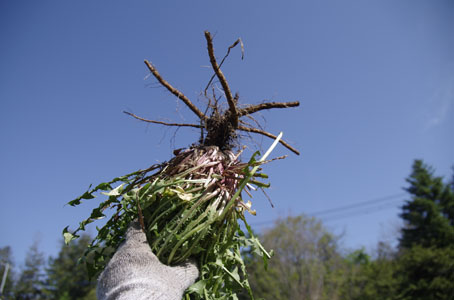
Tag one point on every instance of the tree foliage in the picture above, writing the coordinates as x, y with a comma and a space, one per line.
308, 263
426, 261
364, 278
30, 284
66, 278
426, 273
429, 215
305, 262
61, 278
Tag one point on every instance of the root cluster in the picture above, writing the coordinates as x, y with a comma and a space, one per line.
219, 128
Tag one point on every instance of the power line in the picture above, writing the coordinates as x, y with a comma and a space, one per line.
356, 205
361, 212
351, 207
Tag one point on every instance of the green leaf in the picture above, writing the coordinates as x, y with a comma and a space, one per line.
198, 287
74, 202
68, 236
86, 195
103, 186
257, 247
261, 175
116, 191
184, 229
234, 274
252, 159
96, 214
259, 184
144, 190
84, 222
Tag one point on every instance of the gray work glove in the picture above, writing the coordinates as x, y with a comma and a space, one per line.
135, 273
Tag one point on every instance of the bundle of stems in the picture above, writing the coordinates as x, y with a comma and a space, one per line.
189, 208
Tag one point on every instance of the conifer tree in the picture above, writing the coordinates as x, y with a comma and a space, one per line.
425, 265
66, 278
30, 284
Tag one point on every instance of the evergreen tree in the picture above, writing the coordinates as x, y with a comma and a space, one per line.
429, 215
66, 278
426, 273
425, 265
31, 280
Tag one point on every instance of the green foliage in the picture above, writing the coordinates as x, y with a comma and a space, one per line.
66, 279
305, 264
367, 279
187, 211
31, 282
91, 295
425, 264
426, 273
62, 279
429, 215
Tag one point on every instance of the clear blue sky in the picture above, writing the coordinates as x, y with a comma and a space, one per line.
375, 80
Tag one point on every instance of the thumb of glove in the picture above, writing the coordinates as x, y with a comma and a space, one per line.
134, 272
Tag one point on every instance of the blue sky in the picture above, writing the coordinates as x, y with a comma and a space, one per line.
375, 80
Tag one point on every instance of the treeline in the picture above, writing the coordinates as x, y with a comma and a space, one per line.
59, 278
309, 264
308, 261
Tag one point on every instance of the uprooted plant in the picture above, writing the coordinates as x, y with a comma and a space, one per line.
189, 207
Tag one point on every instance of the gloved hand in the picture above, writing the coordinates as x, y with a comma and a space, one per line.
135, 273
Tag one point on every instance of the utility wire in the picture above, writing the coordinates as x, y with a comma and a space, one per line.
351, 207
361, 212
356, 205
